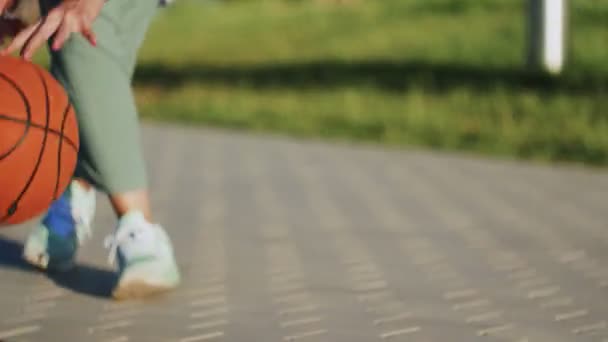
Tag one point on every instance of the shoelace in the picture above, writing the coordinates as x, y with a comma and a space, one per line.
84, 230
83, 222
125, 235
113, 241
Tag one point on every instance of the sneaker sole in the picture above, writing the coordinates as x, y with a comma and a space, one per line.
138, 289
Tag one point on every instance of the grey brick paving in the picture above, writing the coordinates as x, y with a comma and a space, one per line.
281, 240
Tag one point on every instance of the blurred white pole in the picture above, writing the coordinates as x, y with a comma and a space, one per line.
547, 28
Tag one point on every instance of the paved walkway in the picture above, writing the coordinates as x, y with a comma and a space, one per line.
287, 241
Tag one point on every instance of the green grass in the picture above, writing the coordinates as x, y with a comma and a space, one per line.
443, 74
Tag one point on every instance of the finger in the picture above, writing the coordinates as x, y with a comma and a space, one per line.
61, 37
40, 36
20, 39
89, 35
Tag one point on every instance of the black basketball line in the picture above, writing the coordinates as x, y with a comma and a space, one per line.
13, 208
27, 110
61, 138
52, 131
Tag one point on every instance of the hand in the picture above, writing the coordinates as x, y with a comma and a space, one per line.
71, 16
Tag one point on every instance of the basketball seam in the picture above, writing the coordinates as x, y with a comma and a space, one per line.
13, 207
27, 110
59, 149
59, 134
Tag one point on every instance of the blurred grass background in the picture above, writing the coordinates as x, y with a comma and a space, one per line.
440, 74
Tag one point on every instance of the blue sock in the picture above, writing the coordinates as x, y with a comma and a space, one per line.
59, 218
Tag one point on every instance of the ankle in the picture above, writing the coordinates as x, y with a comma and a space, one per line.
131, 202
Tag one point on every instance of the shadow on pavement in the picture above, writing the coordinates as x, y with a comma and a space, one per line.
83, 279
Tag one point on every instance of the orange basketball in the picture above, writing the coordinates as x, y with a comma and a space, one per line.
39, 140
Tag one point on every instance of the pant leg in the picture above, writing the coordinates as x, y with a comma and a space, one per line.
98, 81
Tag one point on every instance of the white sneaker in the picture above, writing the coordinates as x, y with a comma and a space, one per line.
67, 224
145, 258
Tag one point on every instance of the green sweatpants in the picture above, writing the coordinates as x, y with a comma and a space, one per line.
98, 81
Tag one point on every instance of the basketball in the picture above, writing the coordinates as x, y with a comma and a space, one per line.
39, 140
